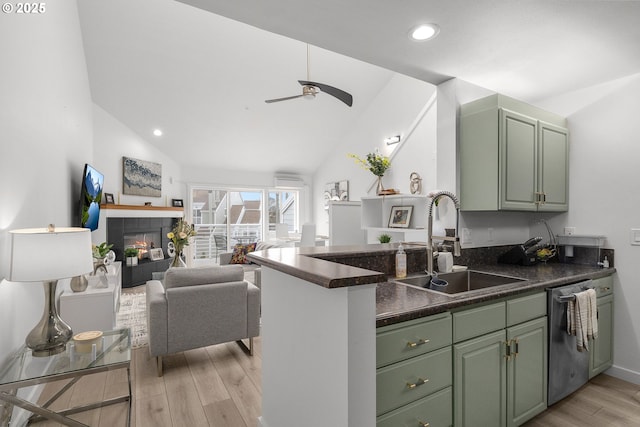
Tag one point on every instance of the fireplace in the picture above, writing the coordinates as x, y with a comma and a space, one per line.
143, 242
143, 234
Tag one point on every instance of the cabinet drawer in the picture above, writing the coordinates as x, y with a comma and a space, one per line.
431, 371
603, 286
408, 339
526, 308
434, 410
478, 321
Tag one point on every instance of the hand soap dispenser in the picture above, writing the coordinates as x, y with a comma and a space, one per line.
401, 263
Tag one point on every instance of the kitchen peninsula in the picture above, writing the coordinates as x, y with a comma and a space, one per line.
320, 311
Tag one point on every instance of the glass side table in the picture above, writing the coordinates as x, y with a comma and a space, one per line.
24, 370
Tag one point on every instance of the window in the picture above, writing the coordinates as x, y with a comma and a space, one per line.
225, 216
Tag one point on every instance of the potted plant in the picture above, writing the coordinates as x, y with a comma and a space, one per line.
131, 255
384, 238
377, 164
179, 237
100, 251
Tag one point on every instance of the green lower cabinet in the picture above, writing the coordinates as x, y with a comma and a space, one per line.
480, 381
601, 349
527, 371
500, 379
433, 411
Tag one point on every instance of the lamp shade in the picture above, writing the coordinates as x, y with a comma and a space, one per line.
39, 254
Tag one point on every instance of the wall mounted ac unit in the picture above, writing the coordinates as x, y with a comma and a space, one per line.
290, 181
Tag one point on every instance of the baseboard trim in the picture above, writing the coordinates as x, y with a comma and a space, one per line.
624, 374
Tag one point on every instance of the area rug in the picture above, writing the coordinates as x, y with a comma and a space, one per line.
133, 315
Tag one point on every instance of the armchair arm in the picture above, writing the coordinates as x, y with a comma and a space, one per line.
225, 257
157, 327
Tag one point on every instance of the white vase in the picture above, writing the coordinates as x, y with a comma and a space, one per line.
132, 261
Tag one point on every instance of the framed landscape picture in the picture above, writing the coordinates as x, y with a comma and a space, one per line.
400, 216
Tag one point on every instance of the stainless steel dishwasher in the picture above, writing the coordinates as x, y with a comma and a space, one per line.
568, 367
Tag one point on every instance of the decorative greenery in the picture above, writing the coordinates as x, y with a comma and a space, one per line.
181, 234
131, 252
100, 251
375, 162
384, 238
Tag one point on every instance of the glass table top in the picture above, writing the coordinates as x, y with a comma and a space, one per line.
113, 351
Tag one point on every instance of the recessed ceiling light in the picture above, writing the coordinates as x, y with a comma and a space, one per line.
424, 32
157, 132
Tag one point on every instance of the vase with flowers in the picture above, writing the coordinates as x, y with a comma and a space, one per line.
179, 236
377, 164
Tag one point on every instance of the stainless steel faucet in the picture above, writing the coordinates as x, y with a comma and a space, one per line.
430, 236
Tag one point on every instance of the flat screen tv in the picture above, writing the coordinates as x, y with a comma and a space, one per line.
91, 197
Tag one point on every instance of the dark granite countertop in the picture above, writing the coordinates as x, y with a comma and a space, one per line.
332, 267
396, 302
321, 265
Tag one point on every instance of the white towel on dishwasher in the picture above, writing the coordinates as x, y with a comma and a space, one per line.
582, 318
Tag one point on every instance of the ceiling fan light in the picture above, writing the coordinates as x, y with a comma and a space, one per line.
424, 32
308, 96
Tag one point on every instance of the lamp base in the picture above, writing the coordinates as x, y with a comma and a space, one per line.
51, 334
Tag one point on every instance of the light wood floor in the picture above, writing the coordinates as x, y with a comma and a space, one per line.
220, 386
214, 386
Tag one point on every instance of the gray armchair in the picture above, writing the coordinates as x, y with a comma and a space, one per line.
198, 307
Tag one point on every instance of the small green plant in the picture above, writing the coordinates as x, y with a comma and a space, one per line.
131, 252
384, 238
101, 250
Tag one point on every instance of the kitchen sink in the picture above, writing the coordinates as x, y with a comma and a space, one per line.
462, 281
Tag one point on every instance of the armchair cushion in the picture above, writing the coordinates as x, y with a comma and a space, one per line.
180, 277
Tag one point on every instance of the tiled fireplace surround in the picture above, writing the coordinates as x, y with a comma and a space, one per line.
144, 233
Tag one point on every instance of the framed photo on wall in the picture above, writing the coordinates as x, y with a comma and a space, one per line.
400, 216
108, 198
177, 203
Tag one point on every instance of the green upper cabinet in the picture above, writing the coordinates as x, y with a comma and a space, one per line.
553, 177
513, 156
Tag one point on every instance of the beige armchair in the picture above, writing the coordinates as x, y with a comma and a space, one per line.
198, 307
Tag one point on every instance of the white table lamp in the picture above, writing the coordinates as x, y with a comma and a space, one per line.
46, 255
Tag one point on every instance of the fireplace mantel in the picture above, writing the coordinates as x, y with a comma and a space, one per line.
140, 211
140, 208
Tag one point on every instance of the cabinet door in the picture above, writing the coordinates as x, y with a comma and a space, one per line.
601, 354
527, 371
553, 170
480, 383
518, 161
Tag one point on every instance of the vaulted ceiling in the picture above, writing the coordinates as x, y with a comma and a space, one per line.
202, 73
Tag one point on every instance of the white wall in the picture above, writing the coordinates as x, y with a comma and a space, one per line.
604, 188
114, 140
404, 106
45, 123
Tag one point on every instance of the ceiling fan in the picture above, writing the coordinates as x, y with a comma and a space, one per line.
311, 89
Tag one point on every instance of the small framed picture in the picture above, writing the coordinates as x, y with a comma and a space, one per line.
177, 203
400, 216
108, 198
156, 254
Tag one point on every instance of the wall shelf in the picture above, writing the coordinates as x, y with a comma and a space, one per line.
377, 209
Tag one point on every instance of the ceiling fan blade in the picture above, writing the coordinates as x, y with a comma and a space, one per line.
269, 101
333, 91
